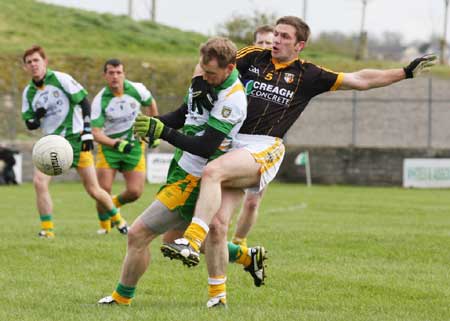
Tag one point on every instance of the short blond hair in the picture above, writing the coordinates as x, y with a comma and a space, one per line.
219, 48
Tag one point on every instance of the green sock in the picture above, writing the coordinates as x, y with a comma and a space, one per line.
126, 291
112, 212
121, 200
46, 222
103, 217
105, 222
234, 252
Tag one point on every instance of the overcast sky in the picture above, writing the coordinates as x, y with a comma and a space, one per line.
414, 19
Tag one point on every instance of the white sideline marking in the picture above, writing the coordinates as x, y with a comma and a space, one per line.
295, 207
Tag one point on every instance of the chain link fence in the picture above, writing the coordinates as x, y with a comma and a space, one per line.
409, 114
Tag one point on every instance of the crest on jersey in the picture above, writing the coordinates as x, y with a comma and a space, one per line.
269, 158
55, 94
288, 77
254, 69
133, 105
226, 112
268, 76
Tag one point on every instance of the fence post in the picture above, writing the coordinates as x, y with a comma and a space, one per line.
430, 113
14, 109
354, 103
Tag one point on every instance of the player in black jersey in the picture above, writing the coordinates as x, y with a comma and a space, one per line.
263, 38
280, 87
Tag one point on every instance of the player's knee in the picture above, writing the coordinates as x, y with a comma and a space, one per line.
133, 194
136, 238
213, 171
251, 205
217, 230
93, 191
107, 190
39, 183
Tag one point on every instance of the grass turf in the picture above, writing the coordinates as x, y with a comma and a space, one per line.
335, 253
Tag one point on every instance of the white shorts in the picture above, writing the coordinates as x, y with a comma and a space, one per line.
268, 151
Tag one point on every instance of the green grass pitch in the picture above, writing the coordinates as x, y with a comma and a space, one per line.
335, 253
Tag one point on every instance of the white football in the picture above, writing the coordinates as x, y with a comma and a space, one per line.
52, 155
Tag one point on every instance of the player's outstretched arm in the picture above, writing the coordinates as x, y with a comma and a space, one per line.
373, 78
203, 146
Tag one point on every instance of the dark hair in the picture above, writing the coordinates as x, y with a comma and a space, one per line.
302, 31
111, 62
262, 29
222, 49
32, 50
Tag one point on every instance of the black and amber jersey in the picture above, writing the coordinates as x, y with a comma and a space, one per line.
279, 92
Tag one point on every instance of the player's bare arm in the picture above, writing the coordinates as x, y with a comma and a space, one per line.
372, 78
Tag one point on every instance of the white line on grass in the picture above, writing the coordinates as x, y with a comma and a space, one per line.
294, 207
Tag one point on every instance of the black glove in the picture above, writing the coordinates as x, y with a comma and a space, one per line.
123, 146
87, 140
32, 123
39, 113
418, 65
203, 94
35, 122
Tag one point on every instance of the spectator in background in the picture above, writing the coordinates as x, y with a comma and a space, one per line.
7, 156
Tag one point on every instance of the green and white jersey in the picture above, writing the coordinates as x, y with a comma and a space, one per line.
116, 114
226, 116
59, 95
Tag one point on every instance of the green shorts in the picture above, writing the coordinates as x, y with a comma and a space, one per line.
80, 159
180, 192
108, 157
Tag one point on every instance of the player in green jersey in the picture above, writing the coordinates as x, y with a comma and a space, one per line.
57, 103
216, 125
114, 110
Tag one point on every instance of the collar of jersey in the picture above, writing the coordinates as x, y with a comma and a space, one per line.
228, 82
48, 73
281, 65
126, 85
